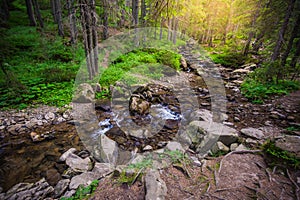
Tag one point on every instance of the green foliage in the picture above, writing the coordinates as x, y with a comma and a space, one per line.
229, 59
293, 128
279, 156
143, 61
258, 91
83, 192
177, 156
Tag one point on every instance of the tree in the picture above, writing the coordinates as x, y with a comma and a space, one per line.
282, 31
4, 10
72, 21
90, 37
135, 12
58, 17
105, 19
30, 13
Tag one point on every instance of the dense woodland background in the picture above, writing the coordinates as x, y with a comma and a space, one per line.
43, 43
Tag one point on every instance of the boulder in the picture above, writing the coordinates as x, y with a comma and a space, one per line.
78, 164
84, 93
61, 187
253, 132
156, 188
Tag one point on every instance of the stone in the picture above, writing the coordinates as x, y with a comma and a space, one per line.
290, 143
102, 169
108, 150
67, 154
156, 188
69, 193
183, 63
61, 187
139, 106
78, 164
173, 146
298, 180
253, 132
84, 93
52, 176
196, 161
50, 116
251, 141
147, 148
233, 146
241, 147
241, 71
83, 179
219, 146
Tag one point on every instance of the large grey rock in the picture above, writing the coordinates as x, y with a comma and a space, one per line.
84, 93
107, 150
156, 188
65, 155
173, 146
78, 164
289, 143
253, 132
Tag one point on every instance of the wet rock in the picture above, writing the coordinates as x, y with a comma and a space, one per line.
183, 63
156, 188
78, 164
139, 106
289, 143
173, 146
219, 146
84, 94
61, 187
67, 154
253, 132
52, 176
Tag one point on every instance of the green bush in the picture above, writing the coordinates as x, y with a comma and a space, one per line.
231, 59
258, 91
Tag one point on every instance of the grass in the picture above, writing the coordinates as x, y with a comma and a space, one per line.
83, 192
257, 91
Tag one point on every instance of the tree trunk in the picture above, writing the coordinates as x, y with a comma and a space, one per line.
72, 21
282, 31
30, 13
296, 56
143, 12
58, 16
105, 20
4, 10
161, 29
291, 41
175, 30
38, 13
89, 25
135, 12
53, 10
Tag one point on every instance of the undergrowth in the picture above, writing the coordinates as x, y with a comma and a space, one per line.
83, 192
280, 157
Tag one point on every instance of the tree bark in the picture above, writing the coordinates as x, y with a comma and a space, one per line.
58, 14
89, 27
30, 13
4, 10
143, 12
282, 31
135, 12
72, 21
296, 56
53, 10
291, 41
38, 13
105, 20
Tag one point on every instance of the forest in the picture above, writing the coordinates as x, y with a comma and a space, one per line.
230, 129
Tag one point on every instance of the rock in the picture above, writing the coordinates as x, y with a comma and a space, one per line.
219, 146
61, 187
241, 147
50, 116
78, 164
108, 150
139, 106
84, 93
236, 119
241, 71
52, 176
156, 188
14, 129
251, 141
196, 161
147, 148
233, 146
173, 146
83, 179
183, 63
69, 193
253, 132
298, 180
67, 154
102, 169
289, 143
